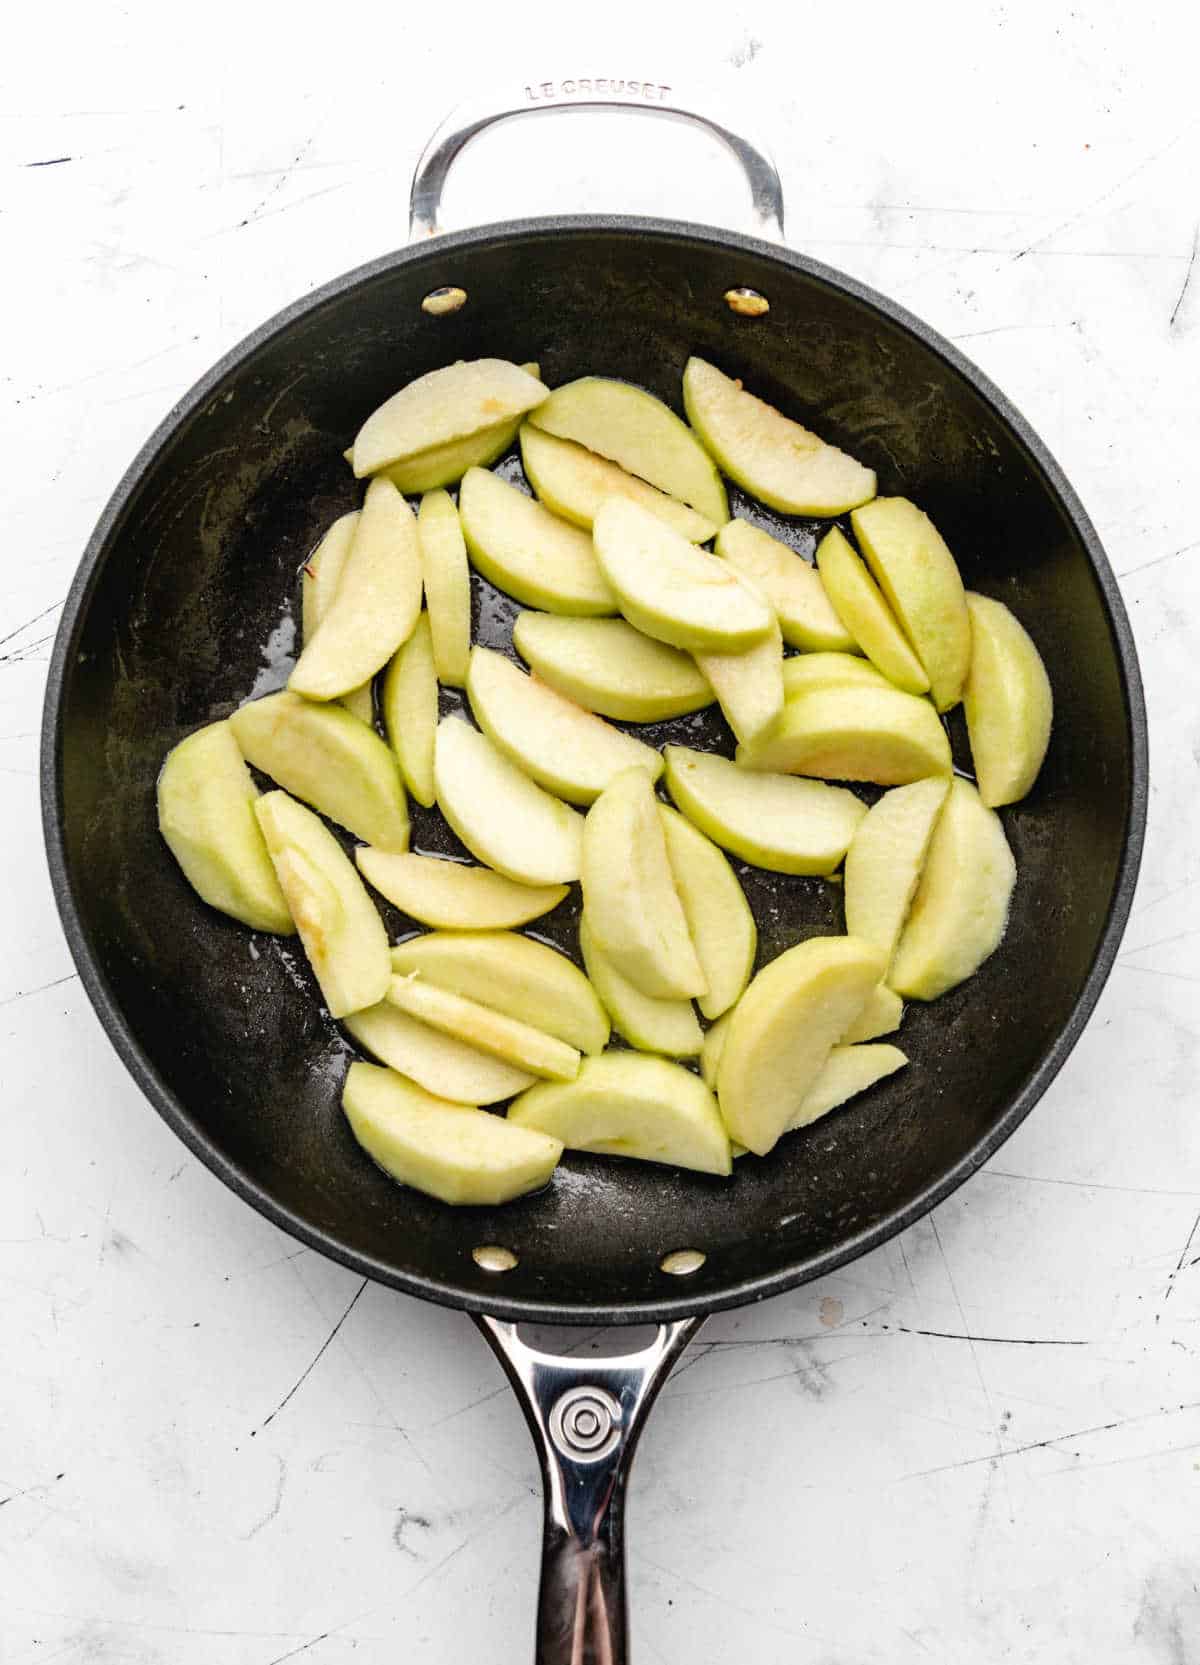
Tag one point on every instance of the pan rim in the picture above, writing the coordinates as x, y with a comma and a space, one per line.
445, 1292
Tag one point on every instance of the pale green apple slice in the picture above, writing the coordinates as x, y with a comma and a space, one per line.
569, 751
773, 458
636, 430
410, 710
455, 1152
519, 976
671, 589
827, 670
327, 757
443, 406
375, 605
665, 1026
454, 897
885, 858
608, 667
783, 1029
714, 1046
718, 915
339, 928
772, 821
748, 685
322, 573
880, 1016
848, 1071
854, 733
503, 818
527, 552
629, 892
439, 1063
960, 910
206, 815
447, 579
572, 482
791, 586
920, 580
484, 1028
629, 1104
1008, 703
859, 603
443, 465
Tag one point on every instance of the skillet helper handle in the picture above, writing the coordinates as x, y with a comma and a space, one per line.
585, 1416
474, 117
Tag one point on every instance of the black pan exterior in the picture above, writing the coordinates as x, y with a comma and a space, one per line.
179, 593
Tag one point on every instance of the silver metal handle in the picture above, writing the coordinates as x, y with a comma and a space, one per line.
469, 120
585, 1416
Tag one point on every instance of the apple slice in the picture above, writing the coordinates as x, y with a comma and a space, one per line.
672, 590
920, 581
322, 573
783, 1029
556, 742
452, 896
773, 458
484, 1028
714, 1046
447, 580
854, 733
1008, 703
629, 892
503, 819
206, 815
437, 1062
650, 1025
607, 666
327, 757
572, 482
628, 1104
410, 710
454, 1152
443, 465
828, 670
848, 1071
443, 406
880, 1016
527, 552
520, 977
718, 915
885, 858
772, 821
791, 586
748, 685
342, 934
636, 430
859, 603
960, 910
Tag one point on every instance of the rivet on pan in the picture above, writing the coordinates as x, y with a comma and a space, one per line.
492, 1258
439, 301
680, 1263
747, 303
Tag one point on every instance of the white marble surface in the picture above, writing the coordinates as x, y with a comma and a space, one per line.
980, 1444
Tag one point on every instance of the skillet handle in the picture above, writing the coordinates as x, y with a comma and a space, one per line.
467, 121
585, 1417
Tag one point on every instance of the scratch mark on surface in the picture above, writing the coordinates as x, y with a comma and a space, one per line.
50, 162
1054, 1439
1187, 277
299, 1383
474, 1405
1157, 560
279, 184
1146, 162
303, 1648
991, 1340
1087, 1184
28, 994
404, 1519
271, 1513
27, 650
1179, 1267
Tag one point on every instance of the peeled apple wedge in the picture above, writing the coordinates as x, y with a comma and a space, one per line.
437, 1062
828, 670
206, 815
322, 573
572, 482
608, 667
920, 581
443, 465
783, 1029
452, 896
569, 751
848, 1071
792, 587
714, 1046
410, 710
484, 1028
503, 818
629, 892
520, 977
772, 457
665, 1026
339, 928
527, 552
330, 759
636, 430
960, 910
880, 1016
628, 1104
672, 590
771, 821
885, 859
447, 580
748, 685
454, 1152
443, 406
718, 915
854, 733
1008, 703
859, 604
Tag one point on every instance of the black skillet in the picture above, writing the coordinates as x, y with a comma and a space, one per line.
177, 598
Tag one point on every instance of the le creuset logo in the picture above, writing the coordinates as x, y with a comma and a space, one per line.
592, 87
